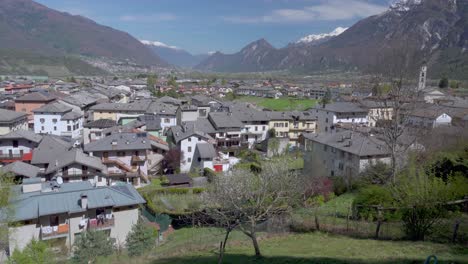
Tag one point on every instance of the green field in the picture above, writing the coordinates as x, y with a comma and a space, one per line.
199, 245
282, 104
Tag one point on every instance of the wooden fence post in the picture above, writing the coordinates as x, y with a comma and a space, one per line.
347, 218
379, 222
455, 230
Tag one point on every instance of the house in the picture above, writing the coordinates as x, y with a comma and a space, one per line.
432, 95
226, 129
187, 113
378, 110
301, 122
75, 166
58, 119
18, 146
21, 170
254, 123
333, 115
343, 153
46, 152
93, 130
279, 121
31, 101
12, 121
185, 138
429, 116
50, 211
125, 156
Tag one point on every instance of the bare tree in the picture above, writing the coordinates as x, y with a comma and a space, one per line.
399, 66
244, 199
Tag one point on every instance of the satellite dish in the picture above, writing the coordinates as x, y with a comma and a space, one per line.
59, 180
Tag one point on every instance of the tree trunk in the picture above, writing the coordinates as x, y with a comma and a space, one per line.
222, 246
253, 236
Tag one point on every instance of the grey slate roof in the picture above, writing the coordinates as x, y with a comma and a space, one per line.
361, 145
7, 116
35, 97
21, 169
72, 115
120, 141
67, 199
74, 156
47, 150
223, 120
206, 150
100, 123
152, 122
189, 129
54, 107
26, 134
342, 107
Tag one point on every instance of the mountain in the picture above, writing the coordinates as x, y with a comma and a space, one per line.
316, 39
434, 32
174, 55
31, 27
256, 56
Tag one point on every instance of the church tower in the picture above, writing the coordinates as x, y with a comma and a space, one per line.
422, 78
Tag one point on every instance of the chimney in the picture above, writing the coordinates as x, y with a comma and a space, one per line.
84, 201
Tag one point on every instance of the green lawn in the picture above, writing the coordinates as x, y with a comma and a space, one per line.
282, 104
200, 246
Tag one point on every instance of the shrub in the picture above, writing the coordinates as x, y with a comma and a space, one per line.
372, 196
209, 174
140, 239
92, 244
36, 252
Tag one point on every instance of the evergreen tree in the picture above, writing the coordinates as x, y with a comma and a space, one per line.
444, 82
140, 239
327, 97
92, 244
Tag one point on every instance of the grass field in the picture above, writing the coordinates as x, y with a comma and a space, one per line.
282, 104
199, 245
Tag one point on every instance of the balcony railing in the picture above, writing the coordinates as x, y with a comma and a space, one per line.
49, 232
15, 157
101, 223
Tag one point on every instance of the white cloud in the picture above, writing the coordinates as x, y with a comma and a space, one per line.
325, 10
149, 18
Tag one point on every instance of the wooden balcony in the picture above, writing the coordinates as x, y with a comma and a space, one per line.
51, 232
101, 224
16, 157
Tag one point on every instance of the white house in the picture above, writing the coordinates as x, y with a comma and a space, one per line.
430, 116
58, 119
337, 114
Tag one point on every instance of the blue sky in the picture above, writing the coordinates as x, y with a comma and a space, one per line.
200, 26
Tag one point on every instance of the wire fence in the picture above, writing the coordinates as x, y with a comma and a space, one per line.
452, 229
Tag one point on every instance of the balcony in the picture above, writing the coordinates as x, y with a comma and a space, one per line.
104, 223
16, 157
51, 232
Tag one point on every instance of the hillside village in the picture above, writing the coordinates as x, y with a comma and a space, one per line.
80, 149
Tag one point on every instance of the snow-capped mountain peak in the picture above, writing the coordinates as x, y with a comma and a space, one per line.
318, 37
158, 44
404, 5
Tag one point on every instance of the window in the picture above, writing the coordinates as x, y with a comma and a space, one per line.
42, 128
121, 154
54, 120
84, 178
326, 120
55, 128
15, 143
166, 120
189, 139
325, 147
189, 160
264, 128
99, 179
189, 149
68, 128
42, 120
256, 128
